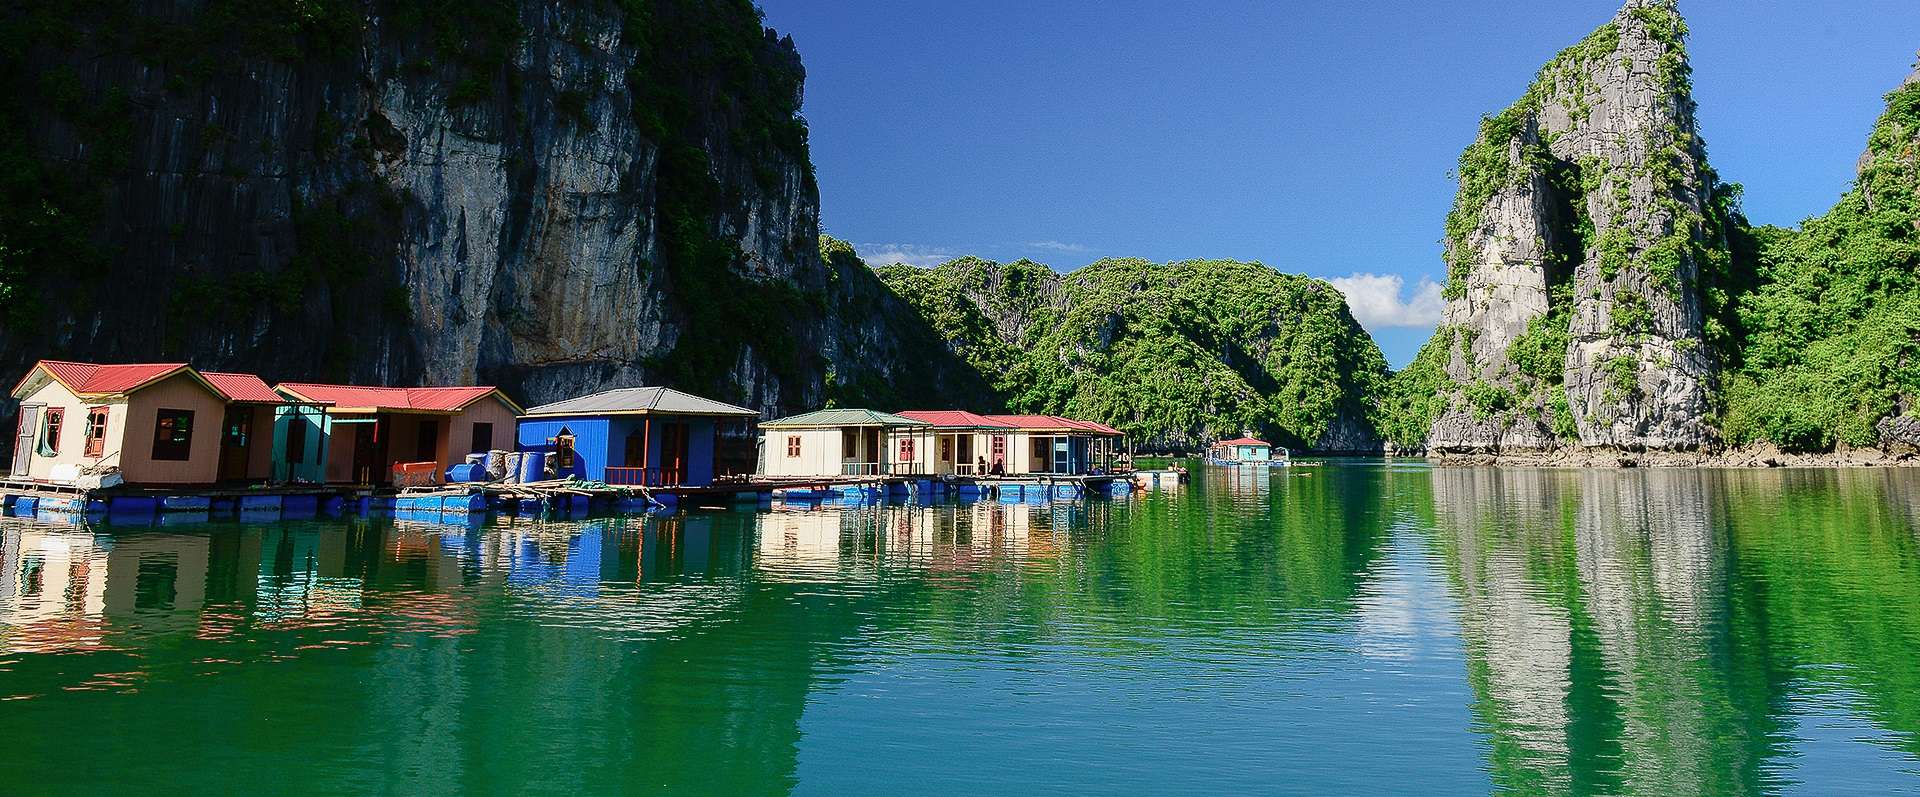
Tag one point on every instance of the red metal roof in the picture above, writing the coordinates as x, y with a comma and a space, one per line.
243, 387
1027, 421
95, 379
415, 399
1053, 423
1243, 441
953, 419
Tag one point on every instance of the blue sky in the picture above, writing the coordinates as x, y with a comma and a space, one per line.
1317, 138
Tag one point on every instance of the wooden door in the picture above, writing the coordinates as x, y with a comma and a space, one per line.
636, 454
368, 463
23, 443
426, 445
236, 435
673, 453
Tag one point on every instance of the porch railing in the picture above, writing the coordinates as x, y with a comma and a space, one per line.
859, 468
646, 477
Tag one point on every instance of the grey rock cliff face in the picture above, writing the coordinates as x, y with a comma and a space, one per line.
1600, 189
1505, 290
1640, 383
395, 209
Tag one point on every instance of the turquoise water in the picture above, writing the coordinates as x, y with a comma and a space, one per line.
1362, 627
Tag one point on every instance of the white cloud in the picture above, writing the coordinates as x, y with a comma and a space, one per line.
910, 254
1376, 300
1056, 246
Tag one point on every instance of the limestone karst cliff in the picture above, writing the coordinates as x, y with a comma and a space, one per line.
1588, 257
554, 197
1606, 297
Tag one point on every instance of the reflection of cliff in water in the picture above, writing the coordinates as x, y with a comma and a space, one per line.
1613, 648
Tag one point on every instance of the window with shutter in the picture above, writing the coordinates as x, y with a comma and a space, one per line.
96, 431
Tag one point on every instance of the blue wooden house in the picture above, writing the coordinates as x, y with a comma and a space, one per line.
653, 436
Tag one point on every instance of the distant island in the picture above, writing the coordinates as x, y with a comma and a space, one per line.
559, 199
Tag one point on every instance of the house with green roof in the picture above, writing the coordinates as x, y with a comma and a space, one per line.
844, 442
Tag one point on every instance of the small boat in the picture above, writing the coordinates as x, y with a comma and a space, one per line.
1247, 452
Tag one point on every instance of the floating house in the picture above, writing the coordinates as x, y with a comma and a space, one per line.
159, 423
1244, 451
651, 436
368, 431
1241, 449
960, 442
1058, 446
843, 442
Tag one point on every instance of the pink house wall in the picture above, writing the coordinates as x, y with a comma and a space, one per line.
180, 392
460, 432
452, 437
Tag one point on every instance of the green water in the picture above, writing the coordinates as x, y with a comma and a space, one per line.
1360, 628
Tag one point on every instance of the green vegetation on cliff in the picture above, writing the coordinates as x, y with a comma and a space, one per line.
1416, 395
1817, 329
981, 308
906, 363
1174, 353
1833, 331
685, 51
1630, 230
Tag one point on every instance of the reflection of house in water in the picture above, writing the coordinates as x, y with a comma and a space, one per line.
60, 590
1238, 481
831, 544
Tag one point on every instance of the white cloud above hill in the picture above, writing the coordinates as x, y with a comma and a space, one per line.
1377, 300
878, 255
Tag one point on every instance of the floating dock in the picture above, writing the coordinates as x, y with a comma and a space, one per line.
563, 498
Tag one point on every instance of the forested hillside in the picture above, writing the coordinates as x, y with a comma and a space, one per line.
1177, 354
1830, 353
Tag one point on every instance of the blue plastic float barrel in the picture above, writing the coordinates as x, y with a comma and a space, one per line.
533, 466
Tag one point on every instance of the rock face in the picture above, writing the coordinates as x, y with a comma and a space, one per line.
1587, 227
552, 197
1176, 354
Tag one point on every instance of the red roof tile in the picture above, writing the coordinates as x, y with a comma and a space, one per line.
94, 379
243, 387
954, 419
1242, 441
419, 399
